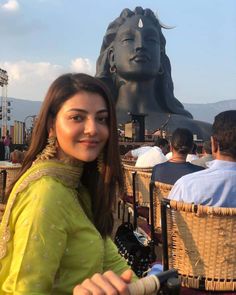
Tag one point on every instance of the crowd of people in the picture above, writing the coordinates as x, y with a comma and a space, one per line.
11, 152
208, 178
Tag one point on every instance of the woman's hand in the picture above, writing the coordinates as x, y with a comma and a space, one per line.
108, 283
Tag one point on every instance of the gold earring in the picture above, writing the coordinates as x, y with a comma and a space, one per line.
50, 149
100, 163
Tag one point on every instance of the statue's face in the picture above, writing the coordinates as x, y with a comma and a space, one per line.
136, 49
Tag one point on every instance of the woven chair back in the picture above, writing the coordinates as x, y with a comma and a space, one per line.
160, 190
128, 170
142, 181
202, 245
128, 161
3, 179
12, 173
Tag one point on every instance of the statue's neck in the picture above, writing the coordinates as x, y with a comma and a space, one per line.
138, 96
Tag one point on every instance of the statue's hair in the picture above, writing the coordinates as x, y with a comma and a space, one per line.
164, 85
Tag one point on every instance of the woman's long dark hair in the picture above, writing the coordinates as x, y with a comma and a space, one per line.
102, 188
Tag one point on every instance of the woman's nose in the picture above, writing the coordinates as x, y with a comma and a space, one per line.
90, 127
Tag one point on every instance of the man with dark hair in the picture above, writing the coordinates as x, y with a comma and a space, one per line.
155, 155
163, 144
206, 155
181, 144
215, 186
149, 156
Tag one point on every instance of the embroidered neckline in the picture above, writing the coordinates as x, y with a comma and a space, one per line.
68, 174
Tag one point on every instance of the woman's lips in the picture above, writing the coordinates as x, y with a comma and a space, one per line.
89, 143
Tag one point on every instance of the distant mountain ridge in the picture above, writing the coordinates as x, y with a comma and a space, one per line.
21, 108
206, 112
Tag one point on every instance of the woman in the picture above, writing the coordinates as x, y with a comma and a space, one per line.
56, 227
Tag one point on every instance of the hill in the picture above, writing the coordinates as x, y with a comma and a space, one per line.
21, 108
207, 112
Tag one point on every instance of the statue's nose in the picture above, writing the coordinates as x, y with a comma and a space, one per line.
139, 41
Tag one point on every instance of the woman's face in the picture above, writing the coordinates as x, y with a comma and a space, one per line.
136, 49
81, 127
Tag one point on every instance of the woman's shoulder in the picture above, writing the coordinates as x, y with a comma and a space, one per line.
49, 181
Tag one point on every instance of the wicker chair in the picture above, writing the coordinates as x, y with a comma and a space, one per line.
158, 191
3, 180
136, 182
128, 161
12, 172
200, 242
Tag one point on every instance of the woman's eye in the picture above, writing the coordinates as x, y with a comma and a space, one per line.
102, 120
77, 118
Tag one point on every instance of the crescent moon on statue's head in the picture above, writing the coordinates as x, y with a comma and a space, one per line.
163, 25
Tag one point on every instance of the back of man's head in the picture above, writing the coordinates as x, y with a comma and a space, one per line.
224, 131
160, 142
206, 147
163, 144
182, 140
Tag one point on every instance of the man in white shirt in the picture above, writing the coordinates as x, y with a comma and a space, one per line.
149, 156
215, 186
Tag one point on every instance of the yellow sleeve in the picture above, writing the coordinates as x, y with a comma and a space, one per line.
40, 221
113, 260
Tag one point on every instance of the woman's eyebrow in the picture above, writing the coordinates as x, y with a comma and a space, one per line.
85, 111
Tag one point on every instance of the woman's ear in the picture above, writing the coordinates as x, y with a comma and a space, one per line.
51, 127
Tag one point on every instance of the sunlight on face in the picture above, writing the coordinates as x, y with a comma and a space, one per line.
81, 127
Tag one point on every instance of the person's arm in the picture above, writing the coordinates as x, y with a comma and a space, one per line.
112, 259
128, 154
117, 274
40, 235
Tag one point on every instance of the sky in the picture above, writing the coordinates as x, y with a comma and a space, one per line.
42, 39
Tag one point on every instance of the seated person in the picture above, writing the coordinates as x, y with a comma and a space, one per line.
153, 155
215, 186
16, 156
137, 152
190, 157
151, 158
162, 143
193, 155
170, 171
206, 155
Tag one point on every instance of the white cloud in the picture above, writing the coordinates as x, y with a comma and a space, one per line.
83, 65
29, 80
11, 5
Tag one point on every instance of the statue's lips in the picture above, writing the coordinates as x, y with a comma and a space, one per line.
140, 58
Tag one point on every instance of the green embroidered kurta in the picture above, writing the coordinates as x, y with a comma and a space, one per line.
52, 244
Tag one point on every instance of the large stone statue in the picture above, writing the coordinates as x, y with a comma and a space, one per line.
134, 64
